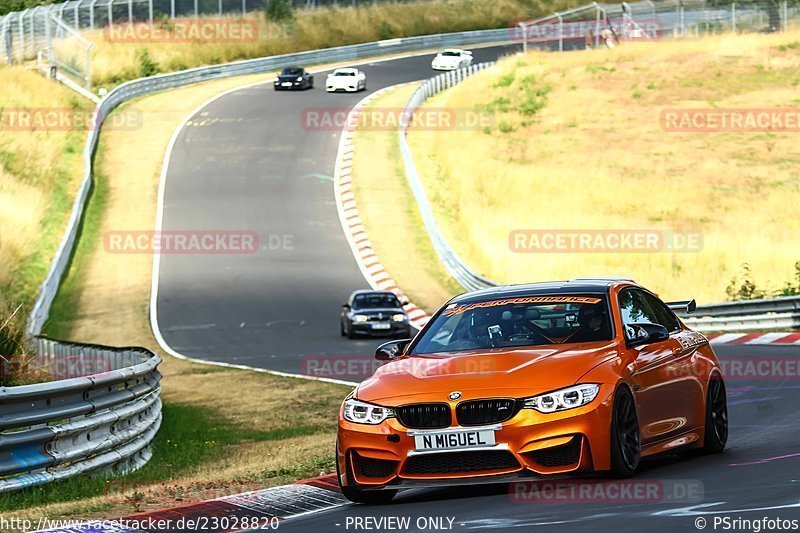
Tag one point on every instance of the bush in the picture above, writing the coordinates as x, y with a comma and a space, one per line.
279, 10
746, 290
13, 346
147, 65
788, 288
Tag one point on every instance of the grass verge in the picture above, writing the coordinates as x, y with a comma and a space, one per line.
577, 143
389, 211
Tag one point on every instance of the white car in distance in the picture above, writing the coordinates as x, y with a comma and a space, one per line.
346, 79
452, 59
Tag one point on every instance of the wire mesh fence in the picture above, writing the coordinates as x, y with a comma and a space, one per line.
596, 24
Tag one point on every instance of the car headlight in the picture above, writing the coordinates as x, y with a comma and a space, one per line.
300, 78
563, 399
365, 413
360, 318
399, 317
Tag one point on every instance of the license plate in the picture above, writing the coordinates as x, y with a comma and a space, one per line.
287, 84
381, 326
454, 439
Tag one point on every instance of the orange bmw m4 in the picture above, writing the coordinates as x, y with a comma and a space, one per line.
532, 380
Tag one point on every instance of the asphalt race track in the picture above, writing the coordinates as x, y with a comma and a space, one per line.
247, 163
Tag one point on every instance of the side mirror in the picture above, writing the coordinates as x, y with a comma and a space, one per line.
346, 305
391, 350
645, 333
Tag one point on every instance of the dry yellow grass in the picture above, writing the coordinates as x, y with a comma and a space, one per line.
313, 29
389, 211
39, 174
595, 157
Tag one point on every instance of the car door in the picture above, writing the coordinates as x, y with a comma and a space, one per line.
657, 391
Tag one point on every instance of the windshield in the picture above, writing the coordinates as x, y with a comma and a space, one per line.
375, 301
523, 321
292, 71
450, 54
346, 73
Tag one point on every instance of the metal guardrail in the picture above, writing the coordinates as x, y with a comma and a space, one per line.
747, 315
142, 86
99, 416
456, 266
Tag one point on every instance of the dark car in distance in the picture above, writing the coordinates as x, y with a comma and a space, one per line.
374, 313
294, 78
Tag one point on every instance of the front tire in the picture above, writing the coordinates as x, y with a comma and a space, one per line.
716, 431
625, 435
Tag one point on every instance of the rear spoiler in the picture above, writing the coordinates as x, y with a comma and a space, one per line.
687, 306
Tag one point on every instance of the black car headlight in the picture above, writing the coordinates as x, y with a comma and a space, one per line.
365, 413
563, 399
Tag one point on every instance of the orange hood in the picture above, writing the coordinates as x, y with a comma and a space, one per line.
516, 373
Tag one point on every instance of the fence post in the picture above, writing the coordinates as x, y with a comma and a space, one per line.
172, 9
524, 29
560, 32
21, 25
89, 67
597, 29
130, 11
91, 13
33, 31
220, 8
76, 17
150, 11
244, 7
110, 14
733, 17
7, 40
196, 9
785, 9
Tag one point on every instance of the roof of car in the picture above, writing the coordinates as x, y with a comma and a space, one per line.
573, 286
370, 291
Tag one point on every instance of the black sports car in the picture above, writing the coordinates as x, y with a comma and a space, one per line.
369, 312
294, 78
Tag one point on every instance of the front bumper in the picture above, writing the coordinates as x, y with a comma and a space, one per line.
340, 88
292, 85
529, 444
395, 328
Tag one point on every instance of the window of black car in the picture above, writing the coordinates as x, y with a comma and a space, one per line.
292, 71
515, 322
375, 301
638, 306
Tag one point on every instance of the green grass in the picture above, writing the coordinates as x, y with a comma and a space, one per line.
66, 302
189, 437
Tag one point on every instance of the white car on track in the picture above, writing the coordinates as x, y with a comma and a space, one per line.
346, 79
452, 59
